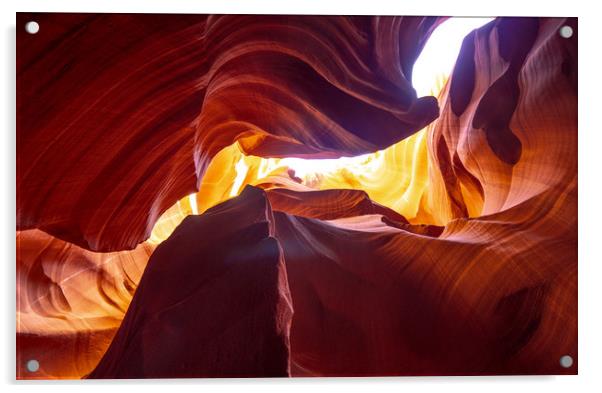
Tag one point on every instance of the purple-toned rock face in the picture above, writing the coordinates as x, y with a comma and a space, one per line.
211, 303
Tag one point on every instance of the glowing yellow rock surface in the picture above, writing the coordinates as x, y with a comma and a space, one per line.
397, 177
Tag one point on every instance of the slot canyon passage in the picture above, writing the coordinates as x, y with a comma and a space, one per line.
262, 196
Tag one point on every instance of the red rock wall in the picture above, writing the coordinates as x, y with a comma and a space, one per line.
114, 128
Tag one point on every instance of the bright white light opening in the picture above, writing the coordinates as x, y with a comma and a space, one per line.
439, 55
305, 167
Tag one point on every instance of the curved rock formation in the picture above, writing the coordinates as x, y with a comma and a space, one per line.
70, 302
501, 146
460, 258
114, 128
495, 295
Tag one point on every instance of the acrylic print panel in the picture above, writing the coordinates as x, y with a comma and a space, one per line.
283, 196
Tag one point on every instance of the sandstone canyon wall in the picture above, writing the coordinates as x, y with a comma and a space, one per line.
457, 256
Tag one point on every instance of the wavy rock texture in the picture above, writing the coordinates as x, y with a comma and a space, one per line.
508, 126
114, 128
460, 260
70, 302
489, 296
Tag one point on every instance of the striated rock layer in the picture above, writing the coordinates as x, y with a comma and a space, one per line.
290, 278
114, 128
70, 302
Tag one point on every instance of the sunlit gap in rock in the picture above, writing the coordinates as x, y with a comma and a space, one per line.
396, 177
430, 72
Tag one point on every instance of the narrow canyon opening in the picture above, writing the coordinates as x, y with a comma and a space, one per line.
396, 177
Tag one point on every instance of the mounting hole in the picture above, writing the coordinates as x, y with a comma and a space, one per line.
32, 27
566, 361
566, 31
32, 365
